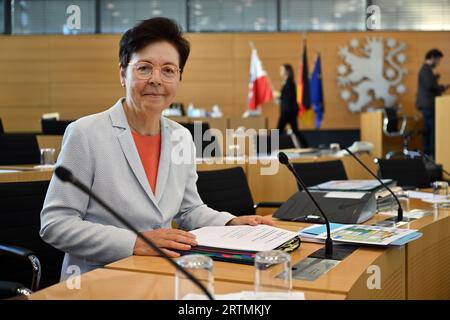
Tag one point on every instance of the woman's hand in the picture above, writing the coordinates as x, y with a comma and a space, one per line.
251, 220
165, 239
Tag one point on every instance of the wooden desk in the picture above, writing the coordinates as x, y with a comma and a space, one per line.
428, 258
104, 284
442, 131
418, 270
30, 174
349, 278
26, 175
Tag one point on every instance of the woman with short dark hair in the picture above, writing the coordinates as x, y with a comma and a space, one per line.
139, 162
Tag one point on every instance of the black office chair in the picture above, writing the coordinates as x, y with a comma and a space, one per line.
20, 207
396, 125
314, 173
19, 149
2, 131
228, 190
54, 126
10, 289
263, 143
409, 173
203, 139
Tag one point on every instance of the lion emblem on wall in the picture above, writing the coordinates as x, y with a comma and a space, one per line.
367, 74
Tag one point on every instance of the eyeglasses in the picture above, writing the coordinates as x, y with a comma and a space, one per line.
145, 70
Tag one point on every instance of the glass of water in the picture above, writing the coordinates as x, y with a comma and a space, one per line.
335, 147
199, 266
440, 194
48, 156
273, 272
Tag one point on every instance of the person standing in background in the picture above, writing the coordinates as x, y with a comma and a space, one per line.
428, 89
287, 98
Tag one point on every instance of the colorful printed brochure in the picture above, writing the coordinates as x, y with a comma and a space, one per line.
361, 234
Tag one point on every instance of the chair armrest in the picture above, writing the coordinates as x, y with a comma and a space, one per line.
404, 124
12, 289
15, 251
267, 205
27, 255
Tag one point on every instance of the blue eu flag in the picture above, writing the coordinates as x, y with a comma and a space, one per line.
316, 92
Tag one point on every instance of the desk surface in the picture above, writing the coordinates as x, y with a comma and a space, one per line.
24, 173
348, 277
102, 284
416, 271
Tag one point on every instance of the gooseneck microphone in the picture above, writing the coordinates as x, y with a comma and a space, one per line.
283, 158
67, 176
400, 209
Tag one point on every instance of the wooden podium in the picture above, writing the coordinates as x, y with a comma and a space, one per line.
442, 116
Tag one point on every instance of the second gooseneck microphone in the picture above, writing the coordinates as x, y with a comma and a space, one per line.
400, 209
283, 158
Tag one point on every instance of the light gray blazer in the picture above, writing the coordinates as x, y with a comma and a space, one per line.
100, 151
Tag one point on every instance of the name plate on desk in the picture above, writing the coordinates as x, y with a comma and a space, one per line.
311, 269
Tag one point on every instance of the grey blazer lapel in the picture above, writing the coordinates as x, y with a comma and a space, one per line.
164, 159
129, 149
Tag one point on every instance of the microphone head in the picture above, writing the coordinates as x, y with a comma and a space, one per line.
283, 158
64, 174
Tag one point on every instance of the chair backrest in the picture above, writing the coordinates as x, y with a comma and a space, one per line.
407, 172
226, 190
53, 126
263, 143
314, 173
20, 207
19, 149
203, 139
391, 120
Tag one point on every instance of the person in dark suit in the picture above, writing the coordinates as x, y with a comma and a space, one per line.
428, 89
288, 103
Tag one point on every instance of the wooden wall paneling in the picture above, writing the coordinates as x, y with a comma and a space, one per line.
23, 118
372, 131
81, 72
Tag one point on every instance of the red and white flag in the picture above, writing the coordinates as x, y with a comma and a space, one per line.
259, 88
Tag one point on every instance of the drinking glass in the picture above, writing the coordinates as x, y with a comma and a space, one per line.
273, 272
440, 194
199, 266
47, 156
